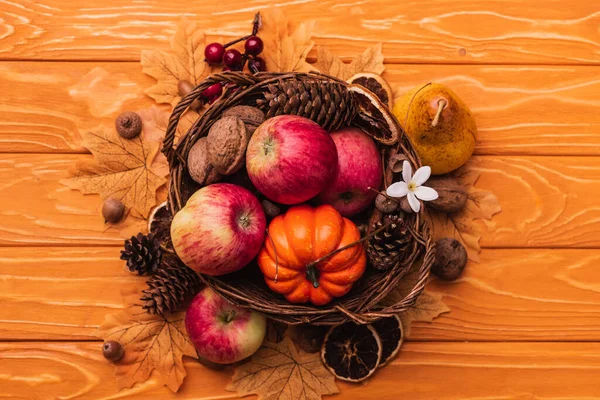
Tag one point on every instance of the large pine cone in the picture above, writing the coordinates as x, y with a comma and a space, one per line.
389, 246
173, 285
142, 253
327, 103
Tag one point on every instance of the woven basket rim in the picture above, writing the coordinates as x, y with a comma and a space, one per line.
361, 307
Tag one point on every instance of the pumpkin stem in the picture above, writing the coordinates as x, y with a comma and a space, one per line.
346, 247
312, 274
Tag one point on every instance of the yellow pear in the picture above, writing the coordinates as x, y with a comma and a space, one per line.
439, 125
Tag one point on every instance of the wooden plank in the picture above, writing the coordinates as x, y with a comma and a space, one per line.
546, 201
421, 371
519, 109
42, 105
51, 293
462, 31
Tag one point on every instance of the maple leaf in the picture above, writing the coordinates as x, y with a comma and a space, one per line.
285, 46
371, 60
151, 343
185, 62
122, 170
481, 204
427, 307
280, 371
155, 121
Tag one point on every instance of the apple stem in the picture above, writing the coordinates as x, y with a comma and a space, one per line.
230, 316
441, 105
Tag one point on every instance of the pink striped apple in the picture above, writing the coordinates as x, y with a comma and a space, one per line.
290, 159
220, 229
222, 332
359, 168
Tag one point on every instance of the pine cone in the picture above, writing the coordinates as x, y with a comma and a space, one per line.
142, 253
387, 247
327, 103
173, 285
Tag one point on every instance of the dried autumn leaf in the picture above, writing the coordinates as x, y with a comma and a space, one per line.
427, 307
280, 371
122, 170
151, 343
481, 204
286, 47
371, 60
185, 62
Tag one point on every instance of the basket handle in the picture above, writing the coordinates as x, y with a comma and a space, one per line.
235, 78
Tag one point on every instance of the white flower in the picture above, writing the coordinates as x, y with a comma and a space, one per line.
412, 188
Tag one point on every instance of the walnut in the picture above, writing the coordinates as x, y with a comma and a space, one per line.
450, 259
251, 116
199, 168
226, 143
452, 196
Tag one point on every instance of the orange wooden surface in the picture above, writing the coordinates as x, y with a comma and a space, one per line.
524, 322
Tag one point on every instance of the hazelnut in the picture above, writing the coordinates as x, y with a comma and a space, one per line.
271, 210
450, 259
113, 210
251, 116
226, 143
452, 196
198, 165
385, 204
128, 124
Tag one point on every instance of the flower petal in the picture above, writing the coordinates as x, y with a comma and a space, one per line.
398, 189
426, 193
421, 176
406, 171
414, 202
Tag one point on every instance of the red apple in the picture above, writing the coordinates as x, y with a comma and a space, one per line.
222, 332
290, 159
359, 168
220, 229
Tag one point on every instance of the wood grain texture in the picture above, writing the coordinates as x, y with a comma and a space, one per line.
546, 201
420, 371
518, 109
535, 31
42, 105
51, 293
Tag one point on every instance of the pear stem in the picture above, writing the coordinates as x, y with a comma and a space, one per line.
441, 104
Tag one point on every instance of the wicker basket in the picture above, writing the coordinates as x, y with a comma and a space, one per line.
247, 287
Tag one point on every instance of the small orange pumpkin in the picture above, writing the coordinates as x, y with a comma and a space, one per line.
293, 258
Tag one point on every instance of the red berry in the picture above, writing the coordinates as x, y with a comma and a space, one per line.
213, 99
257, 65
232, 58
213, 91
254, 45
213, 53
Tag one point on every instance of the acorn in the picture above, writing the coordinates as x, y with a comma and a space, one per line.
450, 259
112, 350
183, 88
113, 210
128, 124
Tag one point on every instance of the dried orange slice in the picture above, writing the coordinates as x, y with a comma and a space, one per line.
373, 116
351, 352
391, 335
376, 84
159, 224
